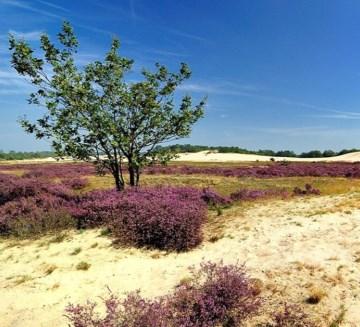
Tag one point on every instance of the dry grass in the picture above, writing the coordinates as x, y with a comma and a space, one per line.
83, 266
227, 185
16, 172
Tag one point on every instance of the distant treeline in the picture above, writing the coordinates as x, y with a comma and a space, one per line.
14, 155
181, 148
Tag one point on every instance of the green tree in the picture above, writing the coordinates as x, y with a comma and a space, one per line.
95, 114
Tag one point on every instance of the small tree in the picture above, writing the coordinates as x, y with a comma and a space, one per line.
94, 114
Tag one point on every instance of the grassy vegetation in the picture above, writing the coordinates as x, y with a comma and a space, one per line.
227, 185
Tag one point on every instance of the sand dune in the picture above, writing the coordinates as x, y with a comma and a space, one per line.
206, 156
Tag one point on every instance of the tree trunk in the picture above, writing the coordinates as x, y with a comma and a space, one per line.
131, 175
119, 183
134, 174
137, 173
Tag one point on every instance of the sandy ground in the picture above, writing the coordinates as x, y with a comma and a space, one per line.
291, 246
207, 156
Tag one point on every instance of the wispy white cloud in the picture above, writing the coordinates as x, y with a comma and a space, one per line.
244, 90
52, 5
83, 59
165, 53
345, 116
187, 35
220, 87
29, 36
11, 83
27, 6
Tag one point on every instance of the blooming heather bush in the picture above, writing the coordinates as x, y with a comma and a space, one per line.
164, 218
96, 208
309, 190
29, 206
76, 183
218, 295
133, 311
251, 194
13, 188
270, 170
36, 214
213, 199
293, 169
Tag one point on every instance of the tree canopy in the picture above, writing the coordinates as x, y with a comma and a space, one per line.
95, 114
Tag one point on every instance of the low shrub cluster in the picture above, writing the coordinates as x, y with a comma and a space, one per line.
215, 295
308, 190
214, 199
254, 194
273, 170
29, 206
168, 218
266, 170
75, 183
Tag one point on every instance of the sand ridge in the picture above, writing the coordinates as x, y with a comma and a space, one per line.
213, 156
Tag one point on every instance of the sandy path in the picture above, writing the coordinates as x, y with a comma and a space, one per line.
283, 243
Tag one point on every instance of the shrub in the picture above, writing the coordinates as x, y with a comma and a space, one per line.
291, 316
216, 295
270, 170
83, 266
253, 194
164, 218
29, 206
34, 215
213, 199
309, 190
75, 183
96, 208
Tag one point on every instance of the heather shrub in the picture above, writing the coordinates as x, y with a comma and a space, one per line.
75, 183
291, 316
133, 311
29, 206
308, 190
253, 194
163, 218
167, 218
217, 295
34, 215
95, 208
271, 170
214, 199
13, 188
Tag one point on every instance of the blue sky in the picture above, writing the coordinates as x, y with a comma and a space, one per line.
278, 74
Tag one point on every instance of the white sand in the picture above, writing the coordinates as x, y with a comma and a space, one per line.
208, 156
284, 243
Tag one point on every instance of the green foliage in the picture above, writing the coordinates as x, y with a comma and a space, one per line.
14, 155
95, 113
